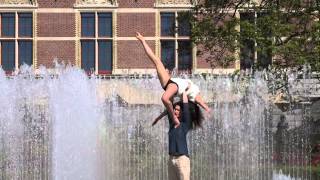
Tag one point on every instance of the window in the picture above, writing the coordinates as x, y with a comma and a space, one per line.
184, 28
167, 24
96, 42
25, 52
168, 54
264, 53
16, 35
247, 51
185, 55
25, 25
105, 55
8, 55
176, 47
105, 24
8, 24
252, 52
88, 25
88, 54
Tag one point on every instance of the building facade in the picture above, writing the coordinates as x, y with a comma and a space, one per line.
97, 35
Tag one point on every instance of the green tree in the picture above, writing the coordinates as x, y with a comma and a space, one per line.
286, 30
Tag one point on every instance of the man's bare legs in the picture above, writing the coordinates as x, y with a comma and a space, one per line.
164, 78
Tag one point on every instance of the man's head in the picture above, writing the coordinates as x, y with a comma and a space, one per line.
177, 109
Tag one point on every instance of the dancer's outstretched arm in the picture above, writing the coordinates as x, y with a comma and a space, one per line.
164, 113
201, 102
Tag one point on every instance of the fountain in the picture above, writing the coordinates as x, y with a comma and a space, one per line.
64, 125
49, 126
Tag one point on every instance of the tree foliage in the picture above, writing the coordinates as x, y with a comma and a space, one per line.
286, 30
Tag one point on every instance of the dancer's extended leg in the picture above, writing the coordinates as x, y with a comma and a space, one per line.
163, 75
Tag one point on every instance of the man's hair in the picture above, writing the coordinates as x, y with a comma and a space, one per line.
195, 113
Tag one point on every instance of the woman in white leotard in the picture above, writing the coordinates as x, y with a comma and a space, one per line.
172, 86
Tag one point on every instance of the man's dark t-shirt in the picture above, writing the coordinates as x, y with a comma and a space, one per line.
178, 136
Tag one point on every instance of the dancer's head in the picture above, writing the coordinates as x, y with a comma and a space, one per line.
195, 113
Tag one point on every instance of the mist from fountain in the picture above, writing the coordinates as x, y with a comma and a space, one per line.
49, 125
63, 125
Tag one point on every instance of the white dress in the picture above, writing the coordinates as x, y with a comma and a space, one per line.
182, 86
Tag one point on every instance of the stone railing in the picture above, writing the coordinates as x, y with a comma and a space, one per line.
96, 2
175, 2
17, 2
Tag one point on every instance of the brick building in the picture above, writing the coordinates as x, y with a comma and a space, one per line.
96, 35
